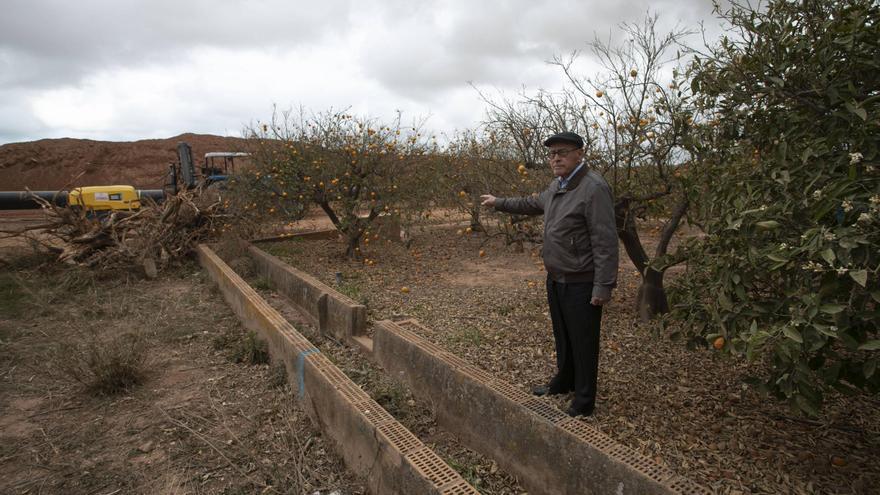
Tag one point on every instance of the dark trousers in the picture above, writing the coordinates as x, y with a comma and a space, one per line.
576, 332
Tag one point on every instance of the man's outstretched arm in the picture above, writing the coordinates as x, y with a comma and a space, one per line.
528, 205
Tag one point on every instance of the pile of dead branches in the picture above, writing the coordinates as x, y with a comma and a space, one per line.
150, 237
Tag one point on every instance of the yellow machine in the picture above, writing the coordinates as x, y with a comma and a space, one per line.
105, 198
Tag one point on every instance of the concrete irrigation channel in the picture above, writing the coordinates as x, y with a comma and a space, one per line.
548, 452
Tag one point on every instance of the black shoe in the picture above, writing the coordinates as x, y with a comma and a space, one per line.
543, 390
574, 412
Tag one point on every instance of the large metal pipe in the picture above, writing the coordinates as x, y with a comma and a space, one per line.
23, 200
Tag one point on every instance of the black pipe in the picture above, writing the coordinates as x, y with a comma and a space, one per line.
157, 195
23, 200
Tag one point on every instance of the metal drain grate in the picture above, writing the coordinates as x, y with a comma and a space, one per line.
374, 412
641, 463
509, 391
544, 410
685, 487
588, 434
426, 462
400, 437
460, 488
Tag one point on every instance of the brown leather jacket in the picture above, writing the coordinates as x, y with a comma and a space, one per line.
580, 236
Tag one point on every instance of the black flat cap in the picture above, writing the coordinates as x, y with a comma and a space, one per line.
565, 137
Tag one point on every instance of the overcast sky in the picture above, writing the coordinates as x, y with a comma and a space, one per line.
129, 69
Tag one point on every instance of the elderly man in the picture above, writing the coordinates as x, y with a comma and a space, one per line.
580, 255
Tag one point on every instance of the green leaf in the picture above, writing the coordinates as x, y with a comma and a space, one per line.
806, 155
869, 368
825, 330
776, 257
793, 334
848, 243
876, 295
871, 345
768, 224
828, 255
832, 309
852, 107
806, 405
860, 276
724, 301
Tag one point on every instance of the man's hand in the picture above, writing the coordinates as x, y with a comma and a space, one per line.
598, 301
487, 200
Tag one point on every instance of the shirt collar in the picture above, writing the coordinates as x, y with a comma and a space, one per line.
563, 181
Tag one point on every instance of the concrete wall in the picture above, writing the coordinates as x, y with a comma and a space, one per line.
372, 443
548, 451
335, 314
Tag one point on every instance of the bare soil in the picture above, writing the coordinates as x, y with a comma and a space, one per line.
53, 164
199, 423
687, 409
418, 417
203, 423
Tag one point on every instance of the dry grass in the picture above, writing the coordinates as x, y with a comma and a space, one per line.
103, 361
242, 347
199, 422
688, 410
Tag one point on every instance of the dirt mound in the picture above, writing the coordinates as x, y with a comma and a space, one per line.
52, 164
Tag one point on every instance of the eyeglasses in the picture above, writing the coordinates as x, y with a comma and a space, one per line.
552, 153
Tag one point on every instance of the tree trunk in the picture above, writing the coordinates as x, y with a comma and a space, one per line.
476, 226
651, 298
353, 240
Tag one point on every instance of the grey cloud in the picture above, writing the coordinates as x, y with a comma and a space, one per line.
416, 54
56, 41
489, 42
17, 123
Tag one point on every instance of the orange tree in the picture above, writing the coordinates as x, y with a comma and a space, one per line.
787, 271
254, 199
636, 130
355, 169
476, 161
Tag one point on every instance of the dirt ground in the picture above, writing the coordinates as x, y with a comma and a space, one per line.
209, 417
53, 164
481, 472
687, 409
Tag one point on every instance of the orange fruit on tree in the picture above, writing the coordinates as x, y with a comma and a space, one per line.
719, 343
482, 253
